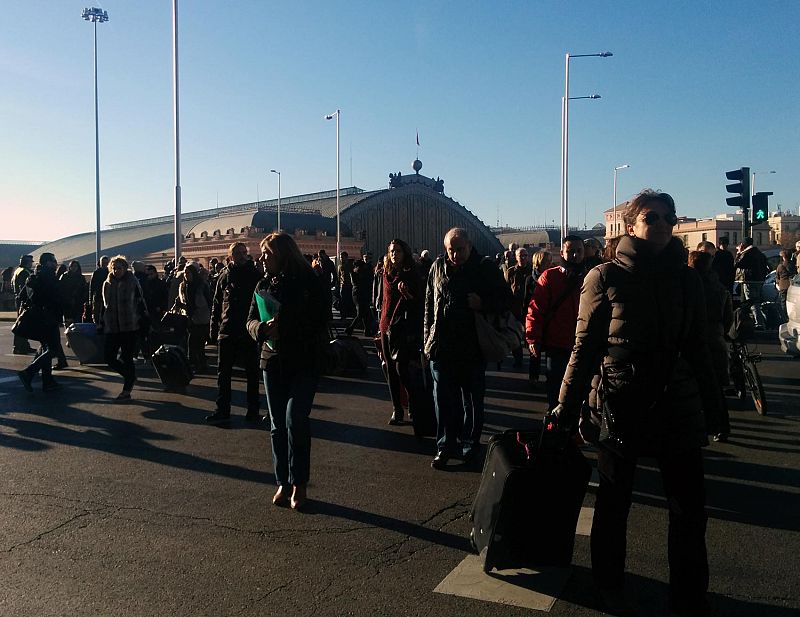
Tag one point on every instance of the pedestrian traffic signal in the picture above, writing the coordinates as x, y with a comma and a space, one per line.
741, 188
760, 207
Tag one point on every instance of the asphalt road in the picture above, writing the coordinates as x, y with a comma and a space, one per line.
142, 509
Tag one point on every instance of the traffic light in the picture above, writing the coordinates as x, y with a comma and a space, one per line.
760, 207
741, 188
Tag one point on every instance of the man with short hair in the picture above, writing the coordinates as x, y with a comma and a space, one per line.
21, 274
230, 309
553, 314
707, 247
460, 283
99, 277
752, 269
362, 276
723, 266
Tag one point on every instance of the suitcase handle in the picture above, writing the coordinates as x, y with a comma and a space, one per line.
549, 427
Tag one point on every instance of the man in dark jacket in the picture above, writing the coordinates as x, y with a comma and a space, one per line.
553, 314
723, 264
21, 274
41, 291
752, 266
99, 277
362, 277
516, 277
459, 284
231, 305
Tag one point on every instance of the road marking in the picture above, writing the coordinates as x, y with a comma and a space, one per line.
532, 589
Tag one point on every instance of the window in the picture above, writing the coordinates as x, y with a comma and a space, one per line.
685, 240
705, 237
735, 238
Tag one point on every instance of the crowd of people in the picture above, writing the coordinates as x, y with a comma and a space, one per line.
631, 338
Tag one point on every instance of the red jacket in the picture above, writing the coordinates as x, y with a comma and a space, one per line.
560, 332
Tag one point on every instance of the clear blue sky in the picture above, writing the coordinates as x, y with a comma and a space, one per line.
694, 88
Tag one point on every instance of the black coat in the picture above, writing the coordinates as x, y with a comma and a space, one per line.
449, 326
302, 321
724, 268
232, 298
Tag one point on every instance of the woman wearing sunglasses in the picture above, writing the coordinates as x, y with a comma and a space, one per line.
642, 318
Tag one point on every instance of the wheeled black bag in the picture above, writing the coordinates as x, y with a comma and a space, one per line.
172, 366
86, 343
171, 330
529, 500
345, 353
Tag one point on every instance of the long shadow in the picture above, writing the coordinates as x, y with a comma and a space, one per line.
369, 437
652, 596
119, 437
415, 530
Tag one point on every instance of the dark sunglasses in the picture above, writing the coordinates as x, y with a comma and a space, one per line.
652, 217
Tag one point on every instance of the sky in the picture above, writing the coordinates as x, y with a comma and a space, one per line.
694, 88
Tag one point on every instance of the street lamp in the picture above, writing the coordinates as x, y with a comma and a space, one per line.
753, 180
96, 16
337, 114
565, 138
614, 225
279, 197
176, 123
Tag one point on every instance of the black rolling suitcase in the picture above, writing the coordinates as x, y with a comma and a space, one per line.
529, 500
86, 343
172, 366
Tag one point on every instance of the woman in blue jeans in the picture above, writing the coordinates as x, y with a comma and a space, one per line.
292, 338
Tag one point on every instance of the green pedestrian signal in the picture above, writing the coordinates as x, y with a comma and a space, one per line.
760, 210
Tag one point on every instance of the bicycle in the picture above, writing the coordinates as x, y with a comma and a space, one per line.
744, 375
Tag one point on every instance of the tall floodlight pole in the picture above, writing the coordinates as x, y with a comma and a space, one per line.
176, 120
337, 113
279, 197
96, 16
614, 226
565, 138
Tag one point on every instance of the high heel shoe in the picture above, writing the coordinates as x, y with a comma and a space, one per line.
298, 500
281, 497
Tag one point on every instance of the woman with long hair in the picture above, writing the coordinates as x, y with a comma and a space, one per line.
124, 307
402, 310
73, 290
288, 318
642, 320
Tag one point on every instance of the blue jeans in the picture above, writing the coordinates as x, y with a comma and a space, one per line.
458, 392
290, 395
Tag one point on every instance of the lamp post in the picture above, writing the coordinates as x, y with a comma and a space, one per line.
279, 197
337, 114
565, 137
614, 226
96, 16
176, 121
753, 180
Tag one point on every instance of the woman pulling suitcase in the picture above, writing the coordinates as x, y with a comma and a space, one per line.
288, 318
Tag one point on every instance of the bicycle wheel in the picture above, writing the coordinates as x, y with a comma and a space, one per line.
756, 388
737, 375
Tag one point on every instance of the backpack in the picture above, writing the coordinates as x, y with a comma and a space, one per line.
743, 324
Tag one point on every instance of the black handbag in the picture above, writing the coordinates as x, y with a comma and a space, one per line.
30, 323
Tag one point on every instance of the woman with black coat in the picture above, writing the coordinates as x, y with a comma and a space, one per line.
194, 296
292, 344
402, 311
642, 321
73, 290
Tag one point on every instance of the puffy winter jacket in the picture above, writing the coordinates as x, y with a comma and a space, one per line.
553, 327
232, 298
642, 321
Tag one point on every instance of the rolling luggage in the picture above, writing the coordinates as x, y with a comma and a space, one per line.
172, 366
86, 343
345, 353
172, 330
529, 500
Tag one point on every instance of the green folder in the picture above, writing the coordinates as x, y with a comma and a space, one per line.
268, 308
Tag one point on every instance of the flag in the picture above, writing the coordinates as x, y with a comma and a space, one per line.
417, 137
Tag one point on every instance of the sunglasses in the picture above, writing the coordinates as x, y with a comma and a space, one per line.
652, 217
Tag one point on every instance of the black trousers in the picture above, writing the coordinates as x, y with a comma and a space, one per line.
684, 487
398, 375
230, 348
119, 350
363, 314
